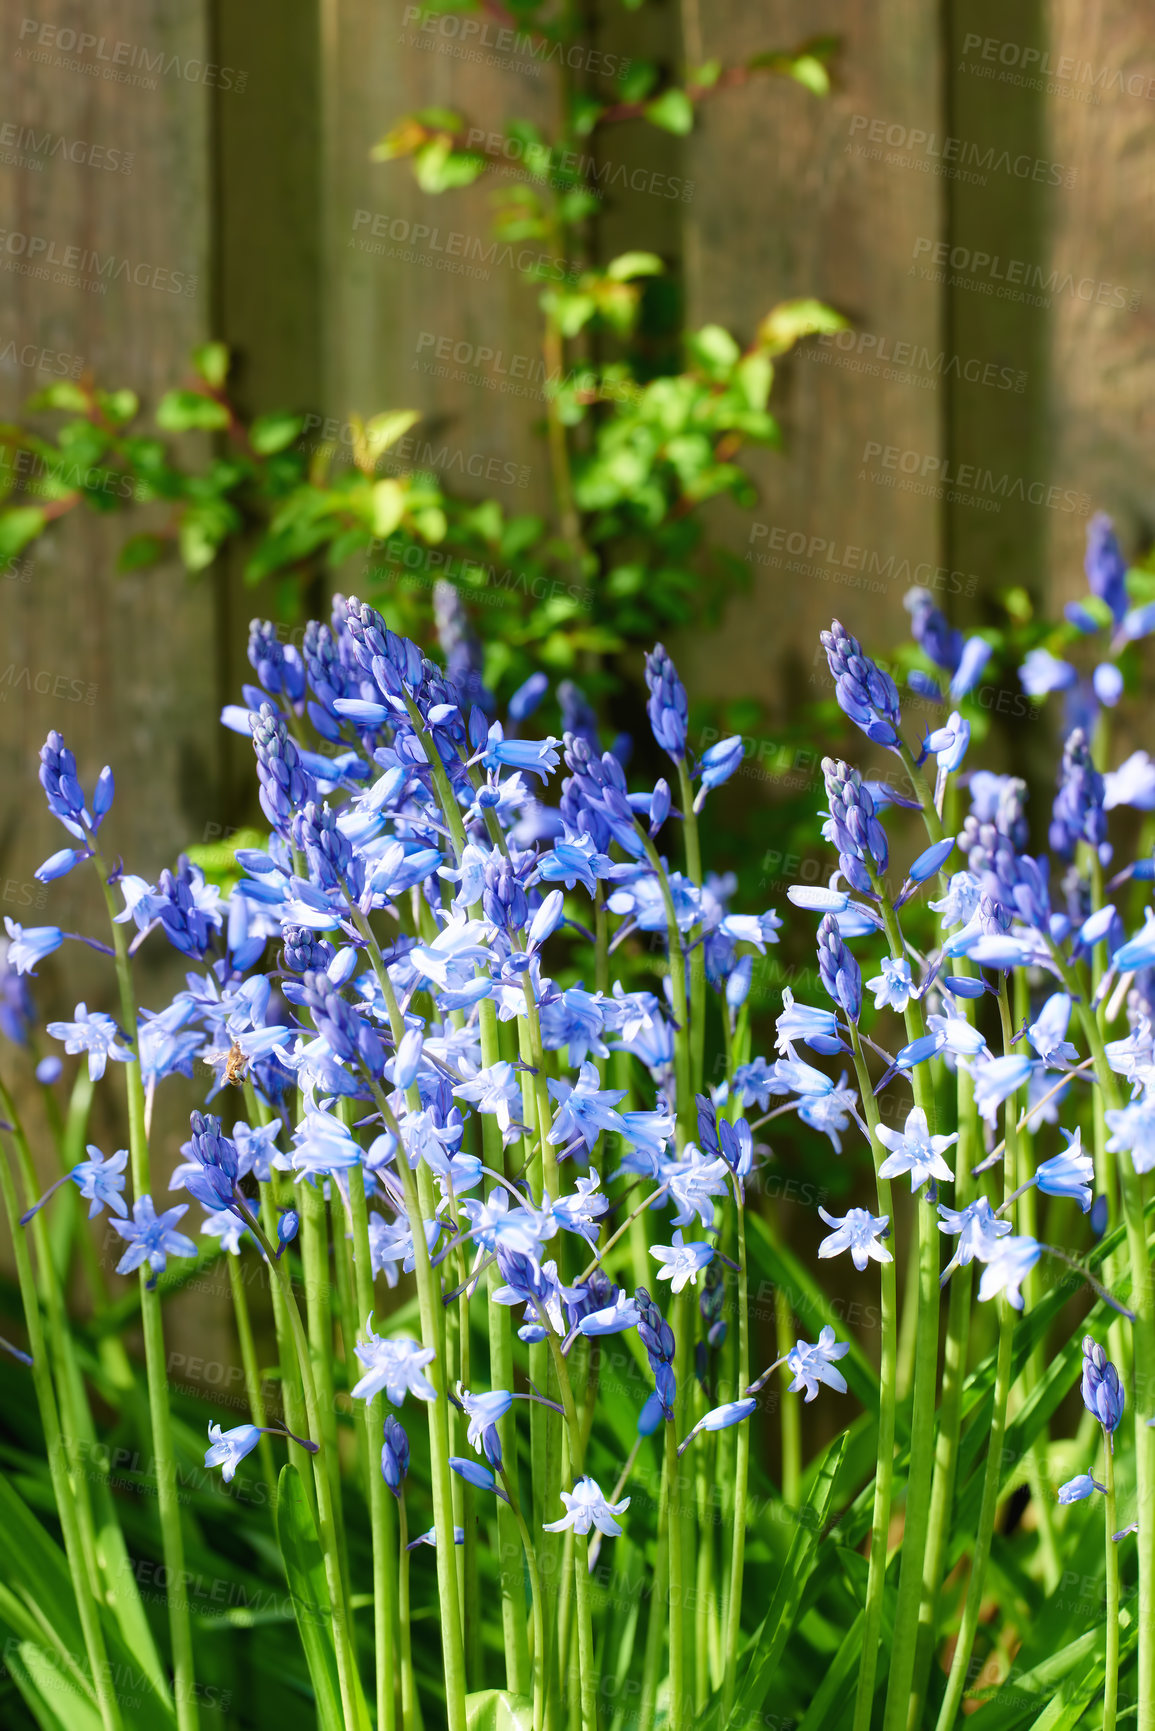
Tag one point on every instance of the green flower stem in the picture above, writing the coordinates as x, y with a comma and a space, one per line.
683, 1064
884, 1470
252, 1372
57, 1463
697, 954
992, 1475
292, 1397
910, 1590
156, 1368
318, 1314
957, 1341
432, 1338
410, 1705
352, 1701
790, 1418
741, 1479
680, 1707
656, 1624
535, 1590
385, 1592
1143, 1365
1111, 1674
581, 1574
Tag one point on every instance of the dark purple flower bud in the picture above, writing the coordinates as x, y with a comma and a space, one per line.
931, 630
1102, 1391
667, 707
394, 1455
503, 898
1078, 813
286, 785
288, 1225
1105, 566
863, 691
840, 973
305, 950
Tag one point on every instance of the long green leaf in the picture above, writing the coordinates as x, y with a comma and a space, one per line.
760, 1659
305, 1572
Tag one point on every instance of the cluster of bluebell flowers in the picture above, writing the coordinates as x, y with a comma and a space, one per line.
433, 1086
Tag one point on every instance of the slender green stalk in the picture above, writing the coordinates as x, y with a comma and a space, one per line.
927, 1300
252, 1372
888, 1368
318, 1313
1111, 1673
1143, 1364
680, 1705
410, 1705
156, 1369
956, 1343
697, 954
741, 1480
352, 1702
380, 1514
55, 1449
536, 1607
992, 1475
432, 1338
960, 1661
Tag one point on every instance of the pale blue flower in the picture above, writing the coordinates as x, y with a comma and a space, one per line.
1042, 673
995, 1080
226, 1226
1133, 783
959, 905
395, 1365
1048, 1033
483, 1410
96, 1034
682, 1262
1071, 1173
1080, 1487
857, 1231
914, 1151
978, 1230
101, 1181
831, 1113
230, 1447
1007, 1266
1133, 1132
586, 1507
585, 1110
814, 1364
28, 945
152, 1237
719, 1418
893, 988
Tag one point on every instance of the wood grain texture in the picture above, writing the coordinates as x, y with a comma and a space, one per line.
787, 206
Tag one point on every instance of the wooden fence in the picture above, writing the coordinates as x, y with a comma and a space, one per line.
975, 195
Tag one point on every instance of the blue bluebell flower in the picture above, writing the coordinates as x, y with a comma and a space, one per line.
853, 826
838, 970
396, 1366
915, 1151
286, 784
720, 1418
996, 1079
1071, 1173
893, 988
977, 1229
667, 707
527, 697
394, 1455
1133, 1131
585, 1110
28, 945
857, 1231
1108, 684
228, 1448
538, 757
812, 1364
1103, 1393
277, 665
1042, 673
1007, 1264
682, 1262
718, 763
152, 1237
95, 1033
1105, 566
863, 691
586, 1507
1076, 1490
1078, 813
